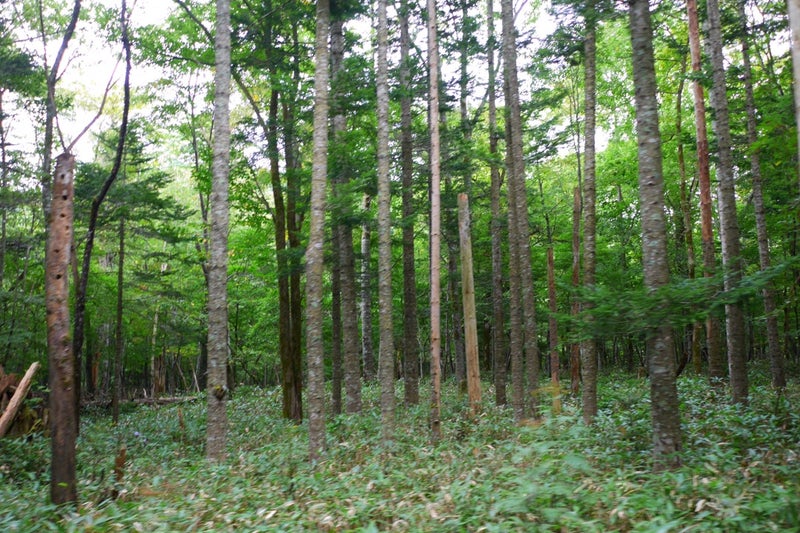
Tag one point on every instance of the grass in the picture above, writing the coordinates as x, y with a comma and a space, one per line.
741, 469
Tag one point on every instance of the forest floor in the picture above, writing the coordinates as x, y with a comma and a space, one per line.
741, 468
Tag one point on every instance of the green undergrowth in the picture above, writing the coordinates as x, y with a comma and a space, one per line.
741, 469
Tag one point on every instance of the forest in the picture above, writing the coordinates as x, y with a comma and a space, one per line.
455, 265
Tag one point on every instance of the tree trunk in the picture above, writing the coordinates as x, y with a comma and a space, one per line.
435, 231
575, 307
768, 293
661, 358
386, 349
316, 240
729, 225
589, 346
468, 299
794, 26
715, 367
410, 327
367, 349
498, 321
63, 404
217, 420
518, 203
119, 346
344, 249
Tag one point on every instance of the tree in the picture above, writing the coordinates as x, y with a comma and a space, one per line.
63, 406
523, 313
410, 327
436, 232
386, 349
498, 323
728, 220
316, 239
660, 357
715, 368
588, 346
217, 419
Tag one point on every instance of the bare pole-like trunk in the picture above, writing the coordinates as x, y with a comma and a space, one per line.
660, 355
410, 327
729, 225
575, 306
62, 377
589, 345
518, 204
768, 293
794, 26
716, 369
367, 349
386, 348
468, 300
119, 348
217, 418
686, 214
498, 322
436, 231
316, 240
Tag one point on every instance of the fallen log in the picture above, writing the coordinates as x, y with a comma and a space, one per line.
16, 401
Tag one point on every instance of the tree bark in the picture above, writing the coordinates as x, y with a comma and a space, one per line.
575, 307
367, 349
716, 369
726, 197
661, 359
435, 235
386, 349
498, 322
410, 327
794, 26
468, 299
316, 240
519, 231
63, 403
217, 420
589, 345
119, 347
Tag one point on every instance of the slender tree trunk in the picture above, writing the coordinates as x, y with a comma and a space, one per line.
386, 349
518, 203
217, 419
346, 255
468, 299
336, 321
367, 349
279, 219
715, 367
661, 358
768, 293
294, 222
688, 232
794, 26
729, 225
63, 404
410, 327
498, 322
436, 233
316, 240
575, 307
589, 346
119, 348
